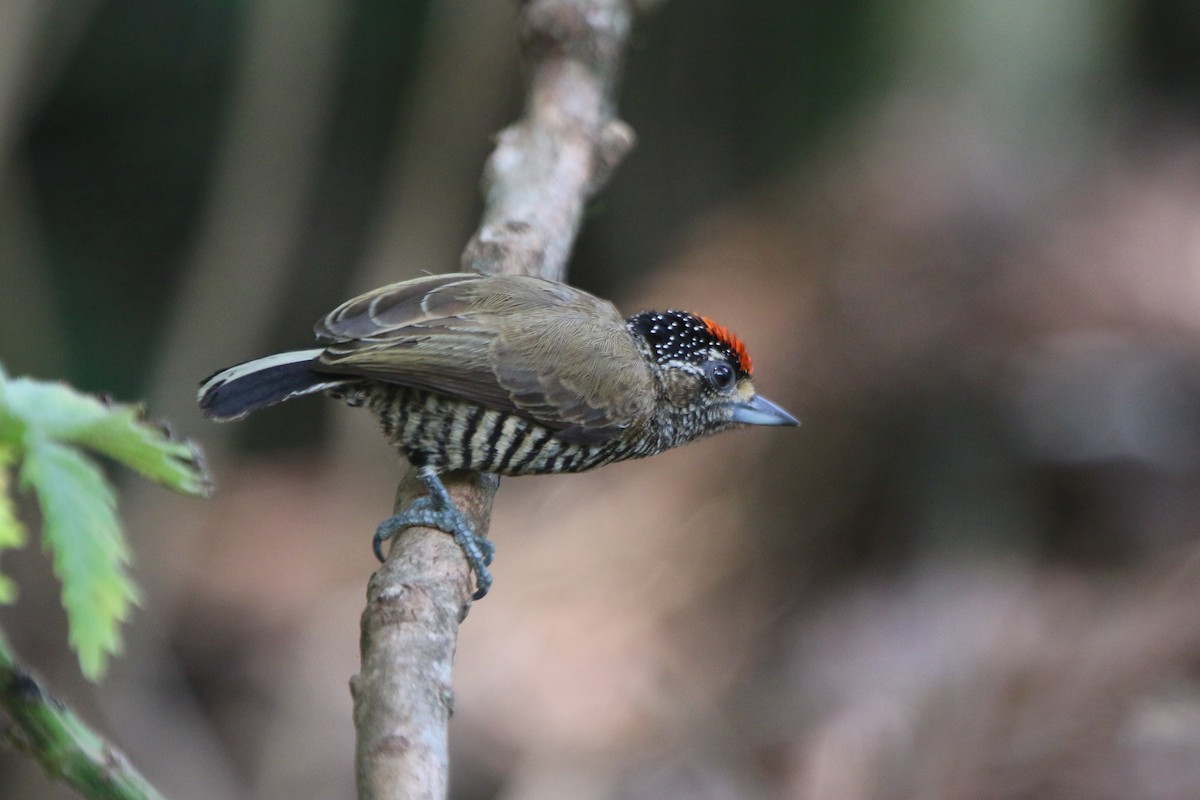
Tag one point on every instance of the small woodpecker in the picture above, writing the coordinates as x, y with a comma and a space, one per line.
507, 374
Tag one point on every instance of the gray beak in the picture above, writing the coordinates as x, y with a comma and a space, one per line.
761, 411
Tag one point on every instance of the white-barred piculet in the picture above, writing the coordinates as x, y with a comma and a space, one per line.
507, 374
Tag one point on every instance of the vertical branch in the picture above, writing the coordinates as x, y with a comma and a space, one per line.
542, 171
546, 165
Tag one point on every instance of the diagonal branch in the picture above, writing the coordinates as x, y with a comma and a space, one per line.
546, 165
542, 171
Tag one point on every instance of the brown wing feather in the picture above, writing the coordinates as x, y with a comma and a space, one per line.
392, 307
459, 335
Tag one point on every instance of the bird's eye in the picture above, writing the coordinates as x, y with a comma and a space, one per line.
719, 375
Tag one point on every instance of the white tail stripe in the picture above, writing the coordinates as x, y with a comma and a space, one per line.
257, 365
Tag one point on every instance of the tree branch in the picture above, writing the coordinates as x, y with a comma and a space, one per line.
402, 695
542, 171
546, 165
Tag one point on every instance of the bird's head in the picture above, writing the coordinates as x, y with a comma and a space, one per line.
705, 373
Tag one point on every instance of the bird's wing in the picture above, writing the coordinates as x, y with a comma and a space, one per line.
540, 349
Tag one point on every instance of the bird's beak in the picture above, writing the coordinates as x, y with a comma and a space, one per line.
761, 411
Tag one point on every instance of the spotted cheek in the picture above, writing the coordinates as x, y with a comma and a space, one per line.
682, 389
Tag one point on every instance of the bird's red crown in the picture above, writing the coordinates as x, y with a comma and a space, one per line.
730, 340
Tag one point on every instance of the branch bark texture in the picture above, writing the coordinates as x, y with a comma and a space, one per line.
546, 165
541, 173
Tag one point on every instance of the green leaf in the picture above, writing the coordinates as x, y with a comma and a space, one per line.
119, 431
12, 533
43, 426
89, 554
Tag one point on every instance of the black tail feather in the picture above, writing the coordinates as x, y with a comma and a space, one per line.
239, 390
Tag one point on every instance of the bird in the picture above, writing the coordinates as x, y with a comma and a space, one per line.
507, 374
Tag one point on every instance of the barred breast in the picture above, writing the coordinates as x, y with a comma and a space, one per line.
447, 433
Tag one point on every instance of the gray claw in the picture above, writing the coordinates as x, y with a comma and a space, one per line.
428, 512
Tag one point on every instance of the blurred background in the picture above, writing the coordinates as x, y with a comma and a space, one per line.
962, 240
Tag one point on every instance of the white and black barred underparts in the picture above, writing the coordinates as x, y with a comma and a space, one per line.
447, 434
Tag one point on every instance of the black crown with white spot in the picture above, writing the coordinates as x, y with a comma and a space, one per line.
687, 337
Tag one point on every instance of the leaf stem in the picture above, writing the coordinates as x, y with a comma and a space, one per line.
63, 744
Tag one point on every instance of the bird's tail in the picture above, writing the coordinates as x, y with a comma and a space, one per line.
235, 392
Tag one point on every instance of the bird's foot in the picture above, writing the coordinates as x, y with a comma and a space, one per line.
427, 512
